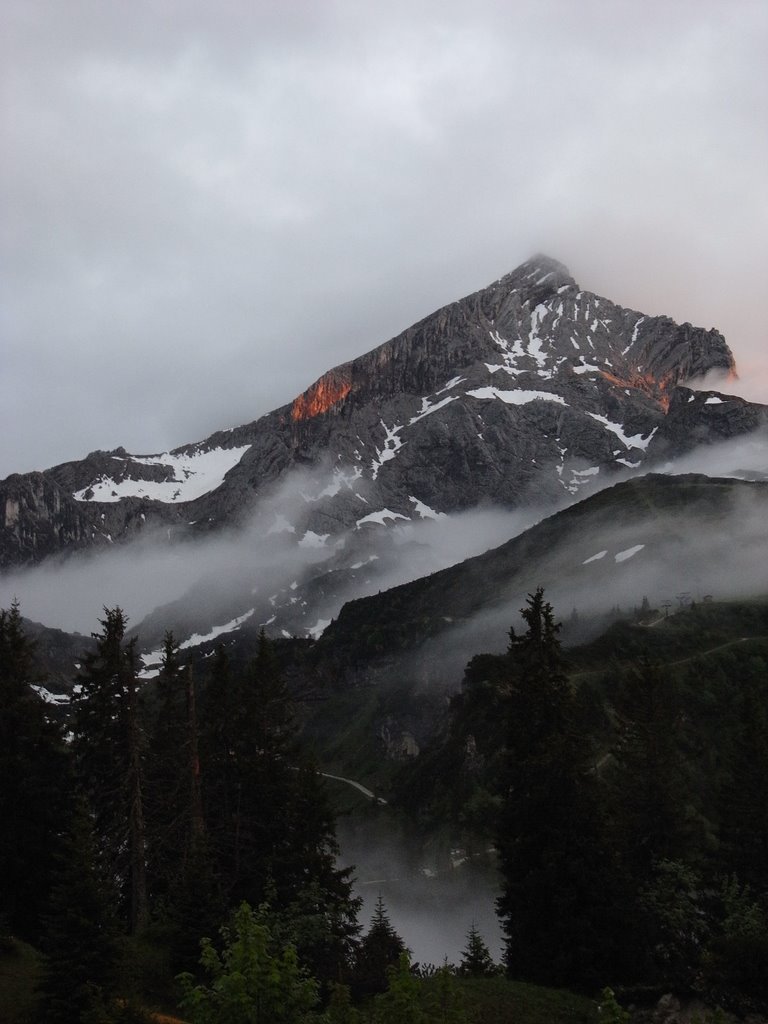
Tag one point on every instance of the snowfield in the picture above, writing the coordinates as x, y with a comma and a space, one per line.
192, 476
518, 397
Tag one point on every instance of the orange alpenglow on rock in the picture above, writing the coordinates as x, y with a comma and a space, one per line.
320, 397
653, 387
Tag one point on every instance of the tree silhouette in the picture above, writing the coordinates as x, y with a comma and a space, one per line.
378, 950
80, 937
555, 902
35, 783
476, 960
107, 743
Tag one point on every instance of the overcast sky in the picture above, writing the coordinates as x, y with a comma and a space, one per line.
206, 205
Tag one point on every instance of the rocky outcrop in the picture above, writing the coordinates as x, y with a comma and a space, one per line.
39, 519
704, 417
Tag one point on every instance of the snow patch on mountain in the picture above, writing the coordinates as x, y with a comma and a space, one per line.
392, 444
518, 397
340, 479
313, 540
424, 510
316, 631
586, 368
365, 561
152, 660
192, 475
595, 558
622, 556
534, 340
380, 517
426, 408
451, 384
50, 698
511, 352
635, 441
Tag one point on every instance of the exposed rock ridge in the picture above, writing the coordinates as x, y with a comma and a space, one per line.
40, 519
527, 390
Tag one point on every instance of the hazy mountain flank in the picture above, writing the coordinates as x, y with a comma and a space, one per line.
445, 441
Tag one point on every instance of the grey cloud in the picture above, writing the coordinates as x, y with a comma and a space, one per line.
205, 210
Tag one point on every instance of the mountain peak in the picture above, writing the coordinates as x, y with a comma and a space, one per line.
540, 270
529, 391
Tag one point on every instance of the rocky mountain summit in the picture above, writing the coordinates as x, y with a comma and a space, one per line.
530, 390
529, 395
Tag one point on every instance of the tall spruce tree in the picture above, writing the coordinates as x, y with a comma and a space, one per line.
79, 941
744, 808
319, 912
654, 830
647, 775
107, 742
183, 887
378, 951
271, 832
168, 809
476, 960
248, 772
35, 782
555, 901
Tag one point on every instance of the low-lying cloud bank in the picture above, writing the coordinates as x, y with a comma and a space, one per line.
213, 576
204, 583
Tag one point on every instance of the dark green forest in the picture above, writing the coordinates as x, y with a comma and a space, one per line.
169, 848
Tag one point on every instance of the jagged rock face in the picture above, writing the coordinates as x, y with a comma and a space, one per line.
526, 391
703, 417
39, 519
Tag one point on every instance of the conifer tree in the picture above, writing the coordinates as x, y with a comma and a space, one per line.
219, 758
647, 775
271, 831
379, 950
476, 960
35, 781
744, 812
181, 873
79, 941
555, 899
108, 750
316, 894
167, 805
248, 772
445, 1000
653, 827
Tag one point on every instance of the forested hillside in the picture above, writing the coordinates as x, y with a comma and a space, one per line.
621, 784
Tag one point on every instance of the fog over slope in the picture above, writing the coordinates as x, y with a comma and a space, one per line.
212, 581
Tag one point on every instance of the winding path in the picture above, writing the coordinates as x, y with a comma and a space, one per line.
358, 785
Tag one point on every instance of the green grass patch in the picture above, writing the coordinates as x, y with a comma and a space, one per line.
501, 1001
490, 1000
